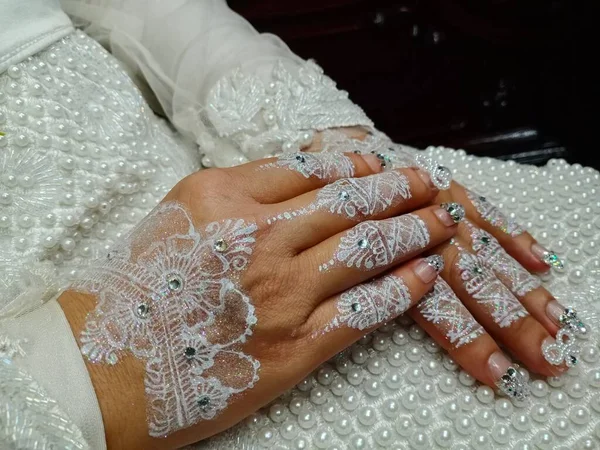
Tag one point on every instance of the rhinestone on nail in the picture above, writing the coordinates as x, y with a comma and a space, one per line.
570, 319
456, 211
513, 384
220, 245
436, 261
552, 259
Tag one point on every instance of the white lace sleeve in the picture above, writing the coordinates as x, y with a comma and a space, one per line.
239, 94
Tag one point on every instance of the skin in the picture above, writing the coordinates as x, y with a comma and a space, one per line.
295, 301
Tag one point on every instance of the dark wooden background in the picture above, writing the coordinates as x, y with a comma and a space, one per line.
502, 78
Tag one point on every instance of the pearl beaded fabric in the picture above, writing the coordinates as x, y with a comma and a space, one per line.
396, 389
82, 159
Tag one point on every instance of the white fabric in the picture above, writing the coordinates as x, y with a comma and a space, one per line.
54, 361
27, 27
129, 159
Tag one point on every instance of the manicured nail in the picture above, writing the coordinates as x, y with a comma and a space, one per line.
423, 175
428, 268
566, 318
455, 211
548, 257
508, 379
373, 162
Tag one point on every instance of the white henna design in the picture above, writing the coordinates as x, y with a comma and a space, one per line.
375, 244
168, 294
493, 215
504, 266
322, 165
371, 303
444, 309
367, 196
481, 283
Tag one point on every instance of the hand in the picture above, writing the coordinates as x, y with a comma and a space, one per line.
244, 280
487, 282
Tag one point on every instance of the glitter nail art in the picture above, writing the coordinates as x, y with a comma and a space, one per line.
489, 292
513, 384
493, 215
504, 266
374, 244
444, 309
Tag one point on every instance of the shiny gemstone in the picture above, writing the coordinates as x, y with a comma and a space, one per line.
204, 402
220, 245
142, 310
343, 195
363, 243
300, 158
356, 307
174, 284
189, 352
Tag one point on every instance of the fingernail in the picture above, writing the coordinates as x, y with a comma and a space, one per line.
508, 379
566, 318
373, 162
450, 213
548, 257
428, 268
424, 176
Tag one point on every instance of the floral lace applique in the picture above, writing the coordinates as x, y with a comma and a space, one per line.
169, 295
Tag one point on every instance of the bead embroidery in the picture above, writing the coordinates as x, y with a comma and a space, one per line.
169, 296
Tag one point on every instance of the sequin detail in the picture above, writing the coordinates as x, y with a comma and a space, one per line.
445, 310
504, 266
493, 215
163, 291
489, 292
374, 244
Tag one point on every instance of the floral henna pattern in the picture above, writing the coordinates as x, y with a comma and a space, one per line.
169, 295
375, 244
504, 266
493, 215
443, 308
481, 283
372, 303
322, 165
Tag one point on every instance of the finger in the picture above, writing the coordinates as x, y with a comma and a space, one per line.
317, 215
495, 307
517, 242
279, 179
342, 319
442, 315
373, 247
561, 322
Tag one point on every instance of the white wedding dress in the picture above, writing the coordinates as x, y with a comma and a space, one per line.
83, 158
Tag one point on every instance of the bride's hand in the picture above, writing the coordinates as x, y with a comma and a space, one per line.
243, 281
487, 283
